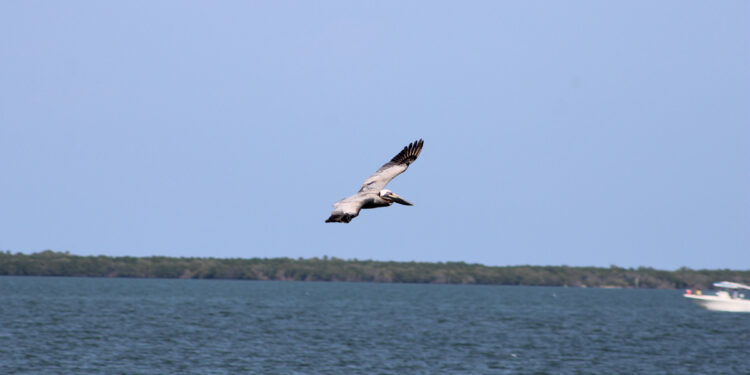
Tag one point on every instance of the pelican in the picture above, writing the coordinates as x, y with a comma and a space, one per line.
373, 193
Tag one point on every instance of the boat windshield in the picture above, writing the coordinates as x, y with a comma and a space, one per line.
731, 285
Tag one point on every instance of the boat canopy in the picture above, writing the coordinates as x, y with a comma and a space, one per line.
731, 285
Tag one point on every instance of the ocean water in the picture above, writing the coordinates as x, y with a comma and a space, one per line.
146, 326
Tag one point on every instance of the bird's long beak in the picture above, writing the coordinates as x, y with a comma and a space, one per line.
394, 197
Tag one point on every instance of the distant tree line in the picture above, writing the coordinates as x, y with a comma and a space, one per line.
51, 263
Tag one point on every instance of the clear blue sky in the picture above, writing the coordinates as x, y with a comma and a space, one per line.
556, 132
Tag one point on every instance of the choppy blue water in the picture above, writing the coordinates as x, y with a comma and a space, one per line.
142, 326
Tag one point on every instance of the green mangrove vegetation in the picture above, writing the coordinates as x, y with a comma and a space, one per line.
51, 263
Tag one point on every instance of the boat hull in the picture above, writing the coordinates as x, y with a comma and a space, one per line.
715, 303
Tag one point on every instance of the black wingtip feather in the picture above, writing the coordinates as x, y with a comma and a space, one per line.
340, 218
409, 153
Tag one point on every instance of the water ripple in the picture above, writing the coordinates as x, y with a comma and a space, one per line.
137, 326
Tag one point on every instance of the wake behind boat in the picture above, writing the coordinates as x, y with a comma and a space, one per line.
730, 299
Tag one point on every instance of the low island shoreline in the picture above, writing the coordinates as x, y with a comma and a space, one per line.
52, 263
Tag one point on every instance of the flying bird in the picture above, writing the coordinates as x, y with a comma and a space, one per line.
373, 193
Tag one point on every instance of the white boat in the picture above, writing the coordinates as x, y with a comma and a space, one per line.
730, 299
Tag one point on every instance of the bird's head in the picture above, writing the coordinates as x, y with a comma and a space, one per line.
393, 197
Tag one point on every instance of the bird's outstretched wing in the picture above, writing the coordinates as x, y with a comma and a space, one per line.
346, 209
393, 168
